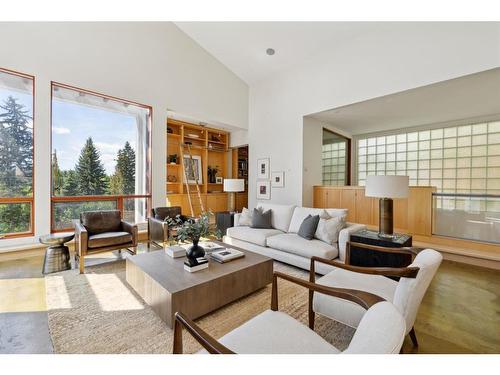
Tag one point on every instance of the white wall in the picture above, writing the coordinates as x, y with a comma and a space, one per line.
150, 63
312, 142
366, 67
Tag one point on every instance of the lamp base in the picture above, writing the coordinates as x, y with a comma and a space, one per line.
385, 220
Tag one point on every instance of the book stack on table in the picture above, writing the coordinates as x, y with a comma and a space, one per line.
194, 265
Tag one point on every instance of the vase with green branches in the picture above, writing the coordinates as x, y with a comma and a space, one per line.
192, 230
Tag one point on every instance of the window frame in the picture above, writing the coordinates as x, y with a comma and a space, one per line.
348, 166
30, 200
119, 199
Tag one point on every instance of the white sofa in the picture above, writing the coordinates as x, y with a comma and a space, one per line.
282, 241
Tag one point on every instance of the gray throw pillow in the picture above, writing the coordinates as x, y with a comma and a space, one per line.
261, 219
308, 227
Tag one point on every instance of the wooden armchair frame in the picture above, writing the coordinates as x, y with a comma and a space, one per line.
409, 272
364, 299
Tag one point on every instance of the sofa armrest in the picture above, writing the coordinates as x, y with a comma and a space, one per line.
344, 237
237, 219
81, 237
132, 229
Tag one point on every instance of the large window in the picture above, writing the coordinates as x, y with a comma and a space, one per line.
457, 159
335, 159
16, 154
100, 156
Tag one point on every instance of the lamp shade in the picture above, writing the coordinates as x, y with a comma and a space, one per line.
387, 186
234, 185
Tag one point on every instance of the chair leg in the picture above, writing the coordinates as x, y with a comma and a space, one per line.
413, 337
311, 313
82, 264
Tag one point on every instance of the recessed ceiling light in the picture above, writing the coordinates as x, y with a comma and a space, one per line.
270, 51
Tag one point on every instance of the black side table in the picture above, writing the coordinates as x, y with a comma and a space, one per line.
224, 220
370, 258
57, 254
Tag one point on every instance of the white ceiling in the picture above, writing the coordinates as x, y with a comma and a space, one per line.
241, 46
469, 97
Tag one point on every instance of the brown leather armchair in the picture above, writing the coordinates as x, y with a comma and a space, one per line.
157, 227
99, 231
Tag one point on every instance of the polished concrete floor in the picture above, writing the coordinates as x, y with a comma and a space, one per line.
459, 314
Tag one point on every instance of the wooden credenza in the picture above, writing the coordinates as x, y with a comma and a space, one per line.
411, 215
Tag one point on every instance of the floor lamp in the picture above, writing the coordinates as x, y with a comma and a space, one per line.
231, 186
386, 188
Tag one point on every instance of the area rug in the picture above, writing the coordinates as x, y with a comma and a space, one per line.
98, 312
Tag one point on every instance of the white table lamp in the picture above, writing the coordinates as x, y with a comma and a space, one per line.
231, 186
386, 188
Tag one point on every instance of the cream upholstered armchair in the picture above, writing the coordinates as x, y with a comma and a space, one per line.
406, 294
381, 329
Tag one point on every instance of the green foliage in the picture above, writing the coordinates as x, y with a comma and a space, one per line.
70, 185
193, 229
15, 218
16, 149
123, 180
90, 172
57, 176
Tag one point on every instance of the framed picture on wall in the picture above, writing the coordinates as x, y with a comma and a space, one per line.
263, 190
278, 179
193, 169
263, 169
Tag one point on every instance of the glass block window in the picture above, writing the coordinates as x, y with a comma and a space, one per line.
459, 159
334, 159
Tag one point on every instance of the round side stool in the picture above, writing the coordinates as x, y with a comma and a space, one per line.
57, 254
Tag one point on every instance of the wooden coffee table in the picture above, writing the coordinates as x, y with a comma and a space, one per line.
165, 286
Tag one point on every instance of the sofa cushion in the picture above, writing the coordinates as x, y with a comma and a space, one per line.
109, 239
101, 221
308, 227
348, 312
300, 213
294, 244
245, 217
328, 229
261, 219
334, 212
281, 216
274, 332
252, 235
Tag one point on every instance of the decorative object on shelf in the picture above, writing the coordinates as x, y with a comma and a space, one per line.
193, 169
212, 173
278, 179
219, 180
216, 138
192, 230
171, 178
192, 135
172, 159
263, 190
263, 169
170, 130
231, 186
386, 188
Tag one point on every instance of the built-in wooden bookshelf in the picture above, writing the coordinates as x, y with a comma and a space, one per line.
212, 146
240, 170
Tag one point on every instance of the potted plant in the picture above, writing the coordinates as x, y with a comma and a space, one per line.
192, 230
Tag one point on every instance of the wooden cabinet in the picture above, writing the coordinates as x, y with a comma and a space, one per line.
413, 214
215, 202
241, 200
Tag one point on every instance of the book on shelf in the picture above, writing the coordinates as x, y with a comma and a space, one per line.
226, 255
193, 265
175, 251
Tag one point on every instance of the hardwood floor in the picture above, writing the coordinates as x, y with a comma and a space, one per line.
459, 314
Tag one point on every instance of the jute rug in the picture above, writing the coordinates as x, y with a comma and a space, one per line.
98, 312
